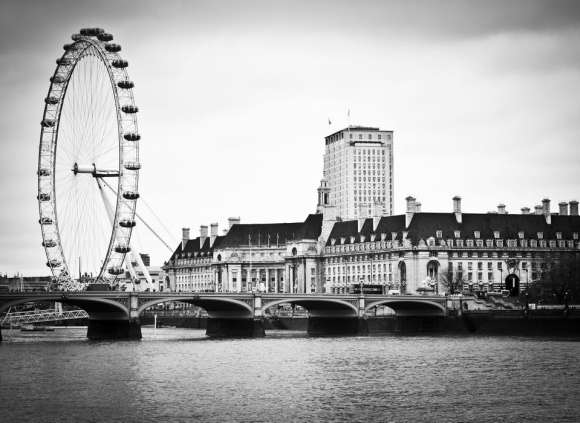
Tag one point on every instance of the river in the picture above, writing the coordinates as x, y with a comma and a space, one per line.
179, 375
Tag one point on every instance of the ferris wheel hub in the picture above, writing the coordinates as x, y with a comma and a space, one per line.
92, 169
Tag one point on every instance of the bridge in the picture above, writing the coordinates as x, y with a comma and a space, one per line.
116, 315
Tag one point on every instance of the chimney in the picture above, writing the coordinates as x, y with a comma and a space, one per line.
525, 210
184, 237
537, 209
546, 210
213, 233
410, 210
417, 207
501, 209
563, 208
573, 208
202, 235
457, 208
233, 221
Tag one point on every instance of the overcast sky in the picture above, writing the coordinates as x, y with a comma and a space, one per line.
235, 97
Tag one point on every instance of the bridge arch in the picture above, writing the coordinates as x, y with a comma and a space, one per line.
410, 306
215, 306
318, 307
91, 305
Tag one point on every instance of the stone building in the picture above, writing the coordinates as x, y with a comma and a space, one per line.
269, 257
414, 251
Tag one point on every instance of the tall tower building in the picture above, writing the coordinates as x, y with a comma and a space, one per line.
358, 169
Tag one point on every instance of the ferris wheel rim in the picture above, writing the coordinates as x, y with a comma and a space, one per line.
128, 164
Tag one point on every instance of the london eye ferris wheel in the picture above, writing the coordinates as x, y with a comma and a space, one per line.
88, 161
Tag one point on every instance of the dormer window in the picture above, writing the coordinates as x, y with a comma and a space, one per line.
439, 234
496, 234
352, 239
476, 234
521, 234
457, 234
362, 238
558, 235
489, 243
332, 241
540, 235
575, 235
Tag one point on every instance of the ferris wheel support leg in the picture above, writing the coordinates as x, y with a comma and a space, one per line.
144, 269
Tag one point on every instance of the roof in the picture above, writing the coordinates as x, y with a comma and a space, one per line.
272, 233
193, 246
358, 128
425, 225
241, 235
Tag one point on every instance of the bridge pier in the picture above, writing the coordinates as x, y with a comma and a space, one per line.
320, 326
114, 329
235, 327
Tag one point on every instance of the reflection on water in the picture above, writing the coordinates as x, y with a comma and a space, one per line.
180, 375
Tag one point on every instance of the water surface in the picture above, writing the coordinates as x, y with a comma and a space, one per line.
180, 375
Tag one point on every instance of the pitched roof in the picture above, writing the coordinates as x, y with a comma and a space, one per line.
193, 246
272, 233
425, 225
256, 234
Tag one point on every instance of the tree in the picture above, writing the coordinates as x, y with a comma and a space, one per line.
560, 281
452, 284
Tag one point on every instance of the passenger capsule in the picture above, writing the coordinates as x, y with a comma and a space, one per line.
125, 84
45, 221
132, 136
47, 123
129, 108
64, 61
132, 166
119, 63
105, 37
44, 172
76, 37
49, 243
53, 263
57, 79
92, 32
113, 48
51, 100
116, 270
68, 47
43, 197
127, 223
130, 195
122, 249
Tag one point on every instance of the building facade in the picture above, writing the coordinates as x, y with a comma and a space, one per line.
409, 253
415, 251
271, 257
358, 172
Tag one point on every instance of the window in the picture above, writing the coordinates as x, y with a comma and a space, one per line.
456, 234
521, 234
558, 235
476, 234
540, 235
496, 234
470, 265
479, 266
499, 265
575, 235
489, 265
